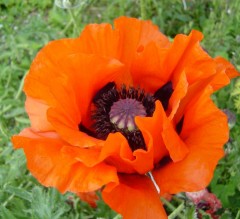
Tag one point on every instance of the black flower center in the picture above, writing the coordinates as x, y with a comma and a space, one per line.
116, 109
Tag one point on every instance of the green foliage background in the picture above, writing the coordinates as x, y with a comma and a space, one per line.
27, 25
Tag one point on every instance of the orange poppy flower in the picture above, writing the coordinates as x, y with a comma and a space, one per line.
126, 110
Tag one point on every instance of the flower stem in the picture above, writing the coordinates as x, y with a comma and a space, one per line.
143, 9
184, 5
149, 174
176, 212
73, 18
238, 215
19, 91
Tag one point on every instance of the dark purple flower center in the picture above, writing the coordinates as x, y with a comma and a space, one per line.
116, 109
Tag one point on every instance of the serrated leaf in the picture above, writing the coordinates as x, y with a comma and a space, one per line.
15, 112
6, 214
19, 192
47, 204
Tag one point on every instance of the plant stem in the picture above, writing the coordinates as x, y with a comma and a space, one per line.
19, 91
73, 18
238, 215
184, 5
143, 9
149, 174
176, 212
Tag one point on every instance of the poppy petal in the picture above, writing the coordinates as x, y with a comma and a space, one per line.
147, 72
180, 85
99, 39
53, 167
67, 113
224, 67
134, 35
183, 51
195, 91
68, 129
154, 127
134, 197
86, 81
35, 84
37, 112
205, 131
117, 152
123, 41
176, 146
191, 174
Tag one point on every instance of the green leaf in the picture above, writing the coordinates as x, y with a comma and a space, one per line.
47, 204
191, 213
19, 192
6, 214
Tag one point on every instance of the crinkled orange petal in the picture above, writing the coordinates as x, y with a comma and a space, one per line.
180, 86
195, 90
87, 179
53, 167
224, 67
165, 139
204, 131
164, 135
219, 68
37, 112
184, 54
191, 174
197, 71
87, 75
176, 146
100, 39
88, 156
147, 68
123, 41
154, 127
117, 152
69, 72
203, 112
69, 130
200, 63
44, 73
73, 90
45, 67
184, 51
135, 197
144, 161
135, 34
